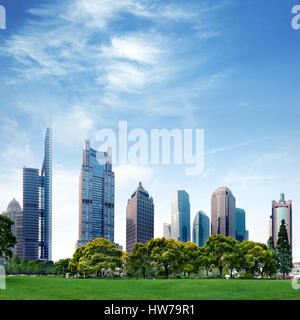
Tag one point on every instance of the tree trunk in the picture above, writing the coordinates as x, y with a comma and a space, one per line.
167, 272
231, 273
221, 269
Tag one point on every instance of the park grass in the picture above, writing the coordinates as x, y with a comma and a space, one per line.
58, 288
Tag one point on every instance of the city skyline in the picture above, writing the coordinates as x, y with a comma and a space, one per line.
191, 65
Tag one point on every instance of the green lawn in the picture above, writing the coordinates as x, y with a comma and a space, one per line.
50, 287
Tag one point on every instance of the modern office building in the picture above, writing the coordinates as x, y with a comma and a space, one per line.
180, 218
96, 196
281, 210
37, 208
247, 235
201, 228
167, 230
139, 218
15, 213
223, 212
240, 224
31, 213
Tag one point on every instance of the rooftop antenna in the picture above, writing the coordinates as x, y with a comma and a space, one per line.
50, 120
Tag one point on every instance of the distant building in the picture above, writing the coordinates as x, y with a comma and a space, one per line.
167, 231
223, 212
281, 210
96, 196
139, 218
180, 219
240, 224
247, 235
201, 229
15, 213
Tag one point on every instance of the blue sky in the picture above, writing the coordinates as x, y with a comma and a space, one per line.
228, 67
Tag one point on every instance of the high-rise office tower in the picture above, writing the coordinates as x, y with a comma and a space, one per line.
281, 210
96, 196
167, 230
240, 223
223, 212
201, 228
180, 216
46, 200
139, 218
31, 213
37, 208
15, 213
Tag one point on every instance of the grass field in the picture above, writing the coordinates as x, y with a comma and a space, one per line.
58, 288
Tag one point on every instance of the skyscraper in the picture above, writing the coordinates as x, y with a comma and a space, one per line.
223, 212
180, 217
37, 208
96, 196
201, 226
240, 222
281, 210
15, 213
46, 200
31, 213
167, 230
139, 218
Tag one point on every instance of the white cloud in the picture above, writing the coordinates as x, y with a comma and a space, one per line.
72, 127
250, 178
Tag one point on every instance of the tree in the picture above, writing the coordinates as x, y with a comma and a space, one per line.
62, 266
232, 259
189, 257
204, 259
139, 258
95, 257
270, 263
7, 239
284, 254
218, 248
164, 253
271, 243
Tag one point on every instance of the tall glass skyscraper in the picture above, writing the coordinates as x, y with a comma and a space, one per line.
96, 196
46, 200
201, 228
31, 213
223, 212
240, 223
180, 216
281, 210
139, 218
167, 230
37, 207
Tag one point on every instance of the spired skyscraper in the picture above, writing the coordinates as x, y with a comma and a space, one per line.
37, 208
223, 212
96, 196
201, 227
139, 218
281, 210
180, 216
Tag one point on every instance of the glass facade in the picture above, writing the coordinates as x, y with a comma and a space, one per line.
31, 213
96, 200
139, 218
167, 231
46, 200
201, 226
240, 222
180, 216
